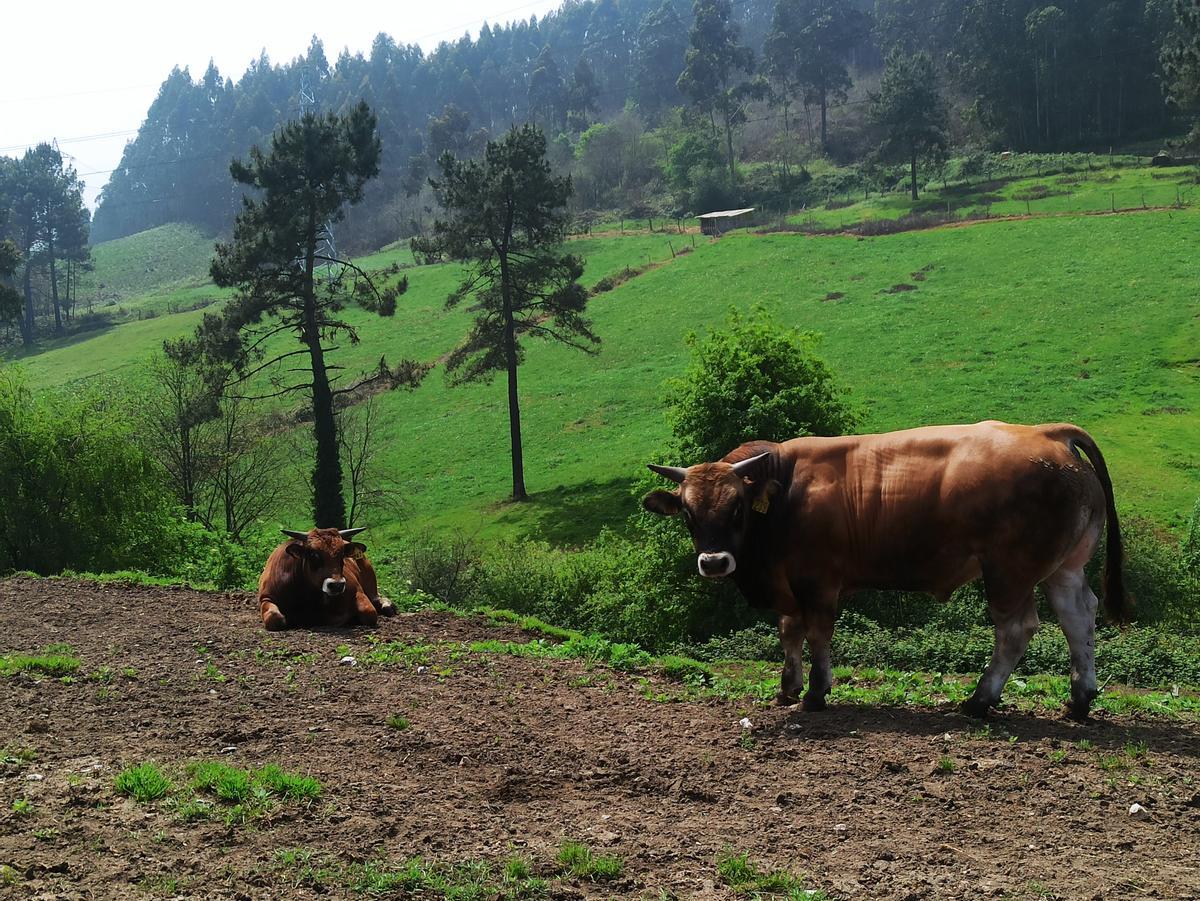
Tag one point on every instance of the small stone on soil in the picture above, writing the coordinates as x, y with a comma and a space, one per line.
348, 661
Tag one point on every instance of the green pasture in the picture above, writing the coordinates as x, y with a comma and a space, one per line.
1059, 193
1091, 319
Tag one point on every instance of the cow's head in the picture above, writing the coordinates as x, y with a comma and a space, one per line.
322, 554
716, 500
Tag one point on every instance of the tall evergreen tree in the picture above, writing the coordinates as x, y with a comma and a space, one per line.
910, 111
660, 48
313, 168
506, 220
807, 49
547, 92
714, 72
1181, 59
582, 96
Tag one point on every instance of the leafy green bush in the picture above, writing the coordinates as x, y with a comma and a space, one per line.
75, 488
753, 379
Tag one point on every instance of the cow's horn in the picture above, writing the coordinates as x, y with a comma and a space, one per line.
743, 467
674, 473
350, 533
290, 533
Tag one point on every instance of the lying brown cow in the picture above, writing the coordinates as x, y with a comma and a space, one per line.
320, 579
798, 525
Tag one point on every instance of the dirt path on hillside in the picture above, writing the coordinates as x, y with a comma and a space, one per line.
506, 754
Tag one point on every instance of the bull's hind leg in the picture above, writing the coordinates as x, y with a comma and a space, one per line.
791, 636
1075, 606
1014, 615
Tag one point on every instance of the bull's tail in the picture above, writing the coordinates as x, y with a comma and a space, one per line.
1116, 600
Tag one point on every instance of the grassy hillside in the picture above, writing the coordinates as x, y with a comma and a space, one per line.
1054, 193
1090, 319
153, 262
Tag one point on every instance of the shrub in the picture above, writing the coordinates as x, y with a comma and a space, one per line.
75, 489
756, 379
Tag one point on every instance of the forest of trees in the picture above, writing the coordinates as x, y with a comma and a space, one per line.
665, 106
44, 240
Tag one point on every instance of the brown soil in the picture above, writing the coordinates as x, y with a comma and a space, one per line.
509, 753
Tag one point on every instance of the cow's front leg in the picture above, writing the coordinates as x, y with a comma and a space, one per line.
364, 608
819, 633
272, 616
791, 636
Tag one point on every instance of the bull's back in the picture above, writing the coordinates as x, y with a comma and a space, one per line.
924, 509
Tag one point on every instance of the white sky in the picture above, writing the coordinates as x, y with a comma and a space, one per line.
85, 72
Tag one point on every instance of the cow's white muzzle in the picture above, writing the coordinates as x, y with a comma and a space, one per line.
714, 566
333, 587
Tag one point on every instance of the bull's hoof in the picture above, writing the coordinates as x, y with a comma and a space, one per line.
785, 700
975, 708
275, 622
1079, 709
386, 607
813, 703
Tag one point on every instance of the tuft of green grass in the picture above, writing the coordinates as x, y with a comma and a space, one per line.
738, 873
578, 860
226, 782
144, 783
22, 807
398, 722
946, 765
56, 660
398, 652
292, 786
17, 756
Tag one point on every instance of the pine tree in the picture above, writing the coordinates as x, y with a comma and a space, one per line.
713, 66
910, 111
1181, 59
313, 168
506, 220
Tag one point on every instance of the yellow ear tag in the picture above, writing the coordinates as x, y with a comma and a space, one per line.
763, 504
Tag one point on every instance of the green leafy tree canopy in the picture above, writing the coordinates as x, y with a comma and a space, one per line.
754, 379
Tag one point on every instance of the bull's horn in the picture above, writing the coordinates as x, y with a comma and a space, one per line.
350, 533
674, 473
290, 533
743, 467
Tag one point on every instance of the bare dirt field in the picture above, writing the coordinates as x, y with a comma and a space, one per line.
426, 748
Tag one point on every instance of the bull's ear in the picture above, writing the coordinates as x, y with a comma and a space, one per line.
764, 494
296, 549
664, 503
354, 550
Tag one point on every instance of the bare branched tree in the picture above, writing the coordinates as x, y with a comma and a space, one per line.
367, 488
247, 477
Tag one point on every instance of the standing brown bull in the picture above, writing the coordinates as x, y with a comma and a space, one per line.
798, 525
319, 578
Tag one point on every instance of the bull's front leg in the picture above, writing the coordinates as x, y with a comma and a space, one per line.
272, 616
791, 636
364, 609
819, 632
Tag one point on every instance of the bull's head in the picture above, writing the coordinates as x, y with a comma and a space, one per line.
322, 554
716, 500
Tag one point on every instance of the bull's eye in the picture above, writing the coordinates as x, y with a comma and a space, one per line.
737, 510
687, 516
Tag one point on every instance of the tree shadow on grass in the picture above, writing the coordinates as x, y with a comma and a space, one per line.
1104, 731
572, 515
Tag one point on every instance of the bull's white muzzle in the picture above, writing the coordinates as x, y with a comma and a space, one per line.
333, 587
714, 566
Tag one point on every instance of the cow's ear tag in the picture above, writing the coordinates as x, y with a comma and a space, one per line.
763, 504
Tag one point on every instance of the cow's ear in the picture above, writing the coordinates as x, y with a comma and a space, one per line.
354, 550
296, 549
763, 495
664, 503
